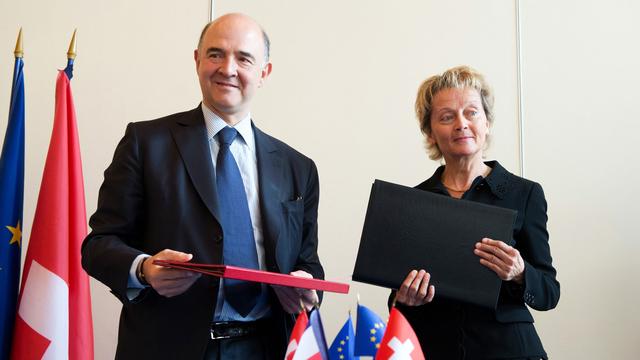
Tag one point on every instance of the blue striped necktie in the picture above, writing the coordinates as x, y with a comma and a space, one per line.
239, 247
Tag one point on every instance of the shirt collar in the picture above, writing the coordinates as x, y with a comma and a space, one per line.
498, 180
214, 124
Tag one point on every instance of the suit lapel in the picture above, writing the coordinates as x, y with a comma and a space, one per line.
190, 135
271, 175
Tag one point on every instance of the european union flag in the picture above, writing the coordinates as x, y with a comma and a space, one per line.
369, 331
11, 198
343, 345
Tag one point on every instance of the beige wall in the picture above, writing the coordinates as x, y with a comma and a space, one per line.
345, 74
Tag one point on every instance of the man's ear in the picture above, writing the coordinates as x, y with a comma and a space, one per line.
265, 72
196, 58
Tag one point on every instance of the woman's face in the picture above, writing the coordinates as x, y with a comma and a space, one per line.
459, 125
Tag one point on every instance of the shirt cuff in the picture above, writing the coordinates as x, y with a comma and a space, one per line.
133, 282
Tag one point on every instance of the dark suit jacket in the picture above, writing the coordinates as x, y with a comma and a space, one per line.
159, 193
447, 329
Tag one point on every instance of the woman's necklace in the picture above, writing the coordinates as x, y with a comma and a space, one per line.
485, 173
455, 190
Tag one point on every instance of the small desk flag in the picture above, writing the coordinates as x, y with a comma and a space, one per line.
369, 330
343, 345
399, 341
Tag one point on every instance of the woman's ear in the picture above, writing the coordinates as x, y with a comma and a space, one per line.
430, 140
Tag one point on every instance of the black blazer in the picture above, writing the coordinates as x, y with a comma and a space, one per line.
447, 329
159, 192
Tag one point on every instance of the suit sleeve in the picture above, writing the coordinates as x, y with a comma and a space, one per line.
109, 250
541, 290
308, 259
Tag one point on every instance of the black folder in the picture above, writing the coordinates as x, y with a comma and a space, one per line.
407, 229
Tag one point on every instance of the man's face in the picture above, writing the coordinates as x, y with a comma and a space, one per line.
231, 66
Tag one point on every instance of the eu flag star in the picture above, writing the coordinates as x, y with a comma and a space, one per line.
17, 234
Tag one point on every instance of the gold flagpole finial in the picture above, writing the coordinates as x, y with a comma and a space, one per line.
302, 308
71, 53
18, 53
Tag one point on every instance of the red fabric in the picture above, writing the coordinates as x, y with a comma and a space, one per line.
399, 340
296, 334
37, 344
59, 226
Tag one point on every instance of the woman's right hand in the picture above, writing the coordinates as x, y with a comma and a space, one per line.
415, 289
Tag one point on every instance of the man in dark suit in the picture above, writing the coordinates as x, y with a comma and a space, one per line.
207, 186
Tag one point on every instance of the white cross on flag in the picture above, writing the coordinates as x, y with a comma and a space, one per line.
296, 335
399, 341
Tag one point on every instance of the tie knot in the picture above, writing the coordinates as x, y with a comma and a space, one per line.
227, 135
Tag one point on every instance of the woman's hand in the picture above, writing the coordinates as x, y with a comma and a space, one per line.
503, 259
415, 289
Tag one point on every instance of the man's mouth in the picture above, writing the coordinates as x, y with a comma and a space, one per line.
226, 84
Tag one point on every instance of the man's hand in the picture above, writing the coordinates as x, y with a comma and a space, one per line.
165, 281
292, 298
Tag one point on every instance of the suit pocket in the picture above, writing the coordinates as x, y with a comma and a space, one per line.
293, 206
293, 215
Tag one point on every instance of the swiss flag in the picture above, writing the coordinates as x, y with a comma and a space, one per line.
399, 341
54, 310
296, 334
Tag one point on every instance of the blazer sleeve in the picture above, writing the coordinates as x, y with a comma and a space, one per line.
109, 250
308, 259
541, 290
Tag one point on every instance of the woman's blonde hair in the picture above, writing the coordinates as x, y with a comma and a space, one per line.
458, 77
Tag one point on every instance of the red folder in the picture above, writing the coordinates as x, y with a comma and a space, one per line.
267, 277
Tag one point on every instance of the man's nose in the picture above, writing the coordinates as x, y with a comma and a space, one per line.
229, 66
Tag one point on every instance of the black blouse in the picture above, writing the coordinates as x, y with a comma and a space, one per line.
455, 330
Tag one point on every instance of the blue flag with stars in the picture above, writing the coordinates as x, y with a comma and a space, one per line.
369, 331
11, 199
343, 345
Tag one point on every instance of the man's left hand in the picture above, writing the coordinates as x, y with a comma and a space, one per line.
503, 259
292, 298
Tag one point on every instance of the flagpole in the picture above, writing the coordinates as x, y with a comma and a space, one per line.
18, 53
54, 319
11, 207
71, 55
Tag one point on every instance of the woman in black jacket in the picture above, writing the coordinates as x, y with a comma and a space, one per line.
455, 111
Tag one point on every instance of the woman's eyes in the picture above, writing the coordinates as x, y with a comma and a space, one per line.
447, 118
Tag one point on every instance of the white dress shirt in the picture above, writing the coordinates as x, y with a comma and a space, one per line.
243, 149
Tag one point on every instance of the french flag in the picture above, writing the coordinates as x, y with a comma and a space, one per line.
312, 344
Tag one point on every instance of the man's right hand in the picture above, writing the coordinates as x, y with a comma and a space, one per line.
166, 281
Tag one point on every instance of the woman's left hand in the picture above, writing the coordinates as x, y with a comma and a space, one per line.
503, 259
